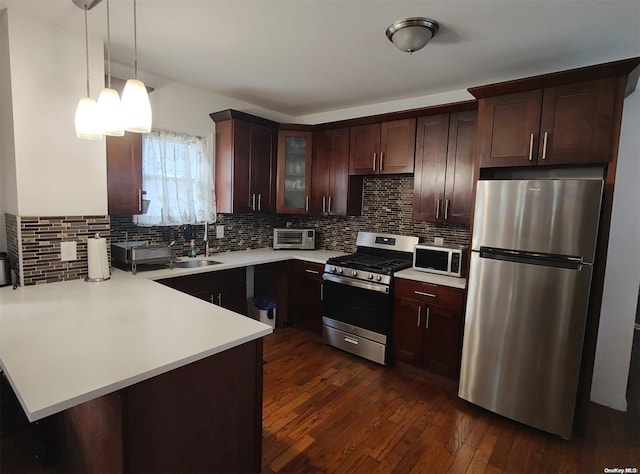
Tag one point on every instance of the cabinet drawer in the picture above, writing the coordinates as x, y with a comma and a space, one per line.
434, 294
309, 269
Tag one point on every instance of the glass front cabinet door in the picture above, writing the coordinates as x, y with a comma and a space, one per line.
294, 172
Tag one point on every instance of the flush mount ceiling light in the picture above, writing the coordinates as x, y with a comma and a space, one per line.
412, 34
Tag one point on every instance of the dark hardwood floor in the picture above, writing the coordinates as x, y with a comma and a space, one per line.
328, 411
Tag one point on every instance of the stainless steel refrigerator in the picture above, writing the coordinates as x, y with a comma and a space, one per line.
533, 248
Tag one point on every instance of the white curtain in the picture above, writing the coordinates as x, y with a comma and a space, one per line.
177, 175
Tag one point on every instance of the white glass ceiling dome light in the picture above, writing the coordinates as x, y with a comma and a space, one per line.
136, 108
109, 105
87, 119
412, 34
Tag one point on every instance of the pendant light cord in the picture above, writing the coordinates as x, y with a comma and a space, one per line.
108, 49
86, 42
135, 42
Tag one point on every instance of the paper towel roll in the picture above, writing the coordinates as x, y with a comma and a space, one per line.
97, 259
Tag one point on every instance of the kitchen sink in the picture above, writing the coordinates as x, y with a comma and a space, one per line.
194, 263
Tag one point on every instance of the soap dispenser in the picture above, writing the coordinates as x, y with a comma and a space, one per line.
192, 252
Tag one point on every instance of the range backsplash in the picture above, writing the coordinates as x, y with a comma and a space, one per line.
386, 207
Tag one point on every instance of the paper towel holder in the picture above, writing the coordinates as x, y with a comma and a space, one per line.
96, 280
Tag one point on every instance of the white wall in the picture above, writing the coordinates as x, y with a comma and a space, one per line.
8, 190
622, 278
56, 172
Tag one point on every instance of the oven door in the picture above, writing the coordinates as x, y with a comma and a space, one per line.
361, 307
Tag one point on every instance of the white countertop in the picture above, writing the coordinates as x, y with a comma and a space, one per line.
65, 343
425, 277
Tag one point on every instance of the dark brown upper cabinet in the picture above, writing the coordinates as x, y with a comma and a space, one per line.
443, 182
294, 172
383, 148
333, 191
124, 174
565, 124
246, 151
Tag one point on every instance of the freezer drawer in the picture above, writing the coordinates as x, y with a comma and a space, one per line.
523, 336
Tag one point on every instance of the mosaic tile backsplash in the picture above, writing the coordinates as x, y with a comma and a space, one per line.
387, 207
41, 237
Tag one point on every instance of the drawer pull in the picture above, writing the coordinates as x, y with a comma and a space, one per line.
422, 293
350, 341
311, 271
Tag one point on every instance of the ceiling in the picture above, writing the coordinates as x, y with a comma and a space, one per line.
302, 57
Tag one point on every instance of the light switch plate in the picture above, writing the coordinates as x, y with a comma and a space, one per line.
219, 231
438, 240
68, 251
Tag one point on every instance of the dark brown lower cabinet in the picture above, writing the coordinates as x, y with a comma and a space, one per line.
226, 288
427, 326
203, 417
306, 295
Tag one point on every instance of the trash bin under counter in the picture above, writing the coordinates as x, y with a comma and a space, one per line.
263, 309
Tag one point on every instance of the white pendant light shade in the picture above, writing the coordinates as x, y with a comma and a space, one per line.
109, 108
136, 108
88, 123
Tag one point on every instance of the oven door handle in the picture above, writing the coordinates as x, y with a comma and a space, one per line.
357, 283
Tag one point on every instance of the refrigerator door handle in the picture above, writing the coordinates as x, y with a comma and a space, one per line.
533, 258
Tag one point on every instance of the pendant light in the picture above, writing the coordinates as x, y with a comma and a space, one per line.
109, 100
87, 119
136, 108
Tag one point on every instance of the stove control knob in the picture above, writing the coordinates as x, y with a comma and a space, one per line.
370, 276
378, 278
339, 270
354, 273
332, 269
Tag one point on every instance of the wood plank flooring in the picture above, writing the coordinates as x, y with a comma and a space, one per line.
328, 411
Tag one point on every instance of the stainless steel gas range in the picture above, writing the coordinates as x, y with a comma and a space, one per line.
358, 294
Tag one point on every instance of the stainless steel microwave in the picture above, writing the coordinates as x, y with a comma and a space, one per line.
441, 260
289, 238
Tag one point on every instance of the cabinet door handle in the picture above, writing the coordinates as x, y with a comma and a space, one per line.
446, 209
306, 205
311, 271
253, 202
381, 157
438, 208
419, 315
544, 145
422, 293
531, 148
324, 200
259, 202
374, 161
329, 206
139, 200
351, 341
427, 322
211, 299
219, 299
321, 291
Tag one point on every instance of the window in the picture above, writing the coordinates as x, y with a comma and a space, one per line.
177, 175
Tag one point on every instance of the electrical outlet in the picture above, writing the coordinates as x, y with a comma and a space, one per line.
438, 240
219, 231
68, 251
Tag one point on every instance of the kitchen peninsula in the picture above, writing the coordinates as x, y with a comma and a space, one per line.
135, 376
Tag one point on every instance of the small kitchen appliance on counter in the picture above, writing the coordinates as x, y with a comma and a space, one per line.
358, 294
128, 255
298, 239
439, 259
5, 269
